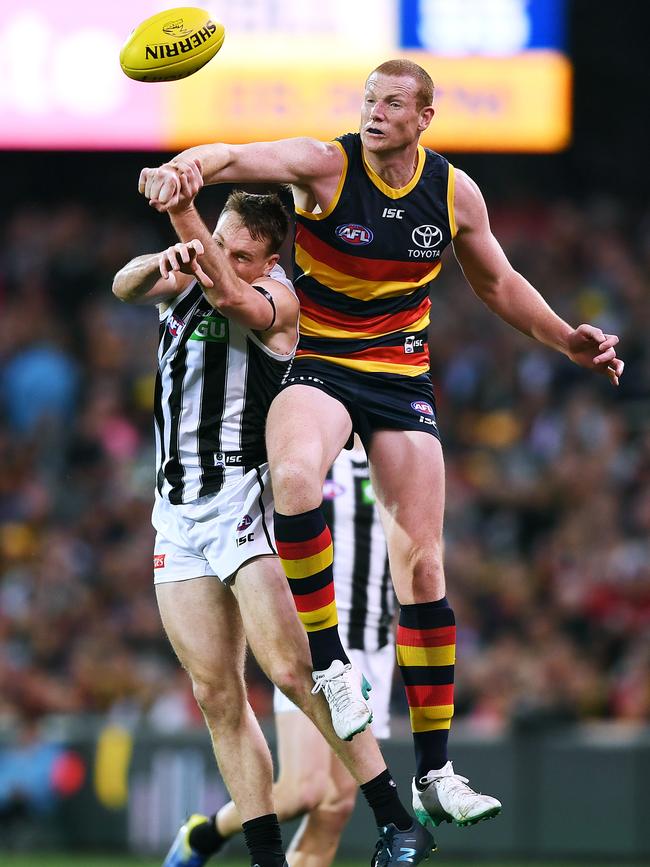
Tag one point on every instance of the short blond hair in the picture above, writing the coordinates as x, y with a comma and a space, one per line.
402, 67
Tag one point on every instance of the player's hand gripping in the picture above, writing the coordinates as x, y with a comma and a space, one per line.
172, 186
184, 258
589, 347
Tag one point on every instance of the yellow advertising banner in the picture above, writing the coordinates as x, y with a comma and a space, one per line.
517, 103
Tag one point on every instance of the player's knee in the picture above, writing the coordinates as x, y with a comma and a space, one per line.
293, 478
295, 797
427, 576
292, 679
222, 700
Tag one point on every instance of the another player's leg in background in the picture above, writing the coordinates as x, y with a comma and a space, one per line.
201, 618
306, 429
407, 472
303, 761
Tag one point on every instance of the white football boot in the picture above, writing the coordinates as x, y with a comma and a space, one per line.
443, 796
346, 691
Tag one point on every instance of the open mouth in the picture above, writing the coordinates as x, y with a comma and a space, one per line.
371, 130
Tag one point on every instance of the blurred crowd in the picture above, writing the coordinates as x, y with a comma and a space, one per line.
548, 469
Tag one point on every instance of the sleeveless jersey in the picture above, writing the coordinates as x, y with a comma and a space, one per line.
365, 600
362, 268
214, 386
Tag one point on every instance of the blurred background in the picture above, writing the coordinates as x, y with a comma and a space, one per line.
545, 104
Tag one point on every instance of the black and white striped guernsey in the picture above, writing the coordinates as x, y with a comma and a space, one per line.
365, 600
214, 386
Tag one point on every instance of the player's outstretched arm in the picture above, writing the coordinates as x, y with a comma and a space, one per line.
512, 297
140, 281
302, 162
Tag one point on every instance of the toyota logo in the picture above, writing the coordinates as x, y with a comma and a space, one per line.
427, 236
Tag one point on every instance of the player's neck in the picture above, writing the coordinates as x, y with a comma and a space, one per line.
395, 168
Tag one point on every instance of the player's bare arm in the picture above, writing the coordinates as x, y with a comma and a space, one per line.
140, 281
512, 297
312, 167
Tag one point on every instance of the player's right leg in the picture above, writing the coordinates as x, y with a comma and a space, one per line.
306, 429
202, 621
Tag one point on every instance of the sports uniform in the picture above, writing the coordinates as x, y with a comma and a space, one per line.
362, 272
364, 593
213, 509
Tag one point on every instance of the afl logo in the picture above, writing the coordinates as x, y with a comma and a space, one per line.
426, 237
174, 325
353, 233
245, 522
422, 406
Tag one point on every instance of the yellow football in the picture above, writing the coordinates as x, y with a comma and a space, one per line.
171, 45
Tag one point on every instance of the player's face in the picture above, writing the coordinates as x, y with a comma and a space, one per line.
390, 117
248, 257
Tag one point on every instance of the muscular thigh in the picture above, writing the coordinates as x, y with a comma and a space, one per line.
407, 473
202, 621
306, 427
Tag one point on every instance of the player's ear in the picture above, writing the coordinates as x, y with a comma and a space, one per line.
270, 263
426, 116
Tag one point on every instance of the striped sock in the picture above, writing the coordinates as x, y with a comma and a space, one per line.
426, 653
304, 544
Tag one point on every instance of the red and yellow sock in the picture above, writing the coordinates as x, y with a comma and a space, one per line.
426, 655
304, 544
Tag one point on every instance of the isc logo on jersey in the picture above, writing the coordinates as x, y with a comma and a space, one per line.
213, 329
355, 234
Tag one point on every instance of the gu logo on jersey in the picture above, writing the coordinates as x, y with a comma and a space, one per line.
158, 561
174, 325
212, 329
367, 493
332, 489
413, 344
355, 234
245, 522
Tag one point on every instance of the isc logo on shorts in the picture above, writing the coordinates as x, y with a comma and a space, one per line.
158, 561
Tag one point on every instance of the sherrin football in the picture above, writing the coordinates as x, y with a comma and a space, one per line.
171, 45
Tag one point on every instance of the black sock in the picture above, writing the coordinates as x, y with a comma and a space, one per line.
383, 799
205, 839
264, 841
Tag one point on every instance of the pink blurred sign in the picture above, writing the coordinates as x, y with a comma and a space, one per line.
61, 85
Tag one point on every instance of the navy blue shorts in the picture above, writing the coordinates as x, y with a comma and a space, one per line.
374, 401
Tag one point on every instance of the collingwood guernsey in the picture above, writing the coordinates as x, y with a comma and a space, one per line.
214, 386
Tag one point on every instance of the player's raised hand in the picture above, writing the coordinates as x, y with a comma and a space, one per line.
191, 179
162, 186
591, 348
184, 258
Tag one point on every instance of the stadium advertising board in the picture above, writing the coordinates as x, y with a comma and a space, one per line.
287, 67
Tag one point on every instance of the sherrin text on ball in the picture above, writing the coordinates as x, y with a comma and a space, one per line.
171, 45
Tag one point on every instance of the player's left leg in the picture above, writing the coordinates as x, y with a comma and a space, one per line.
407, 472
316, 841
279, 644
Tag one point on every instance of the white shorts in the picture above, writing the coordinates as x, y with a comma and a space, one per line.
214, 535
377, 666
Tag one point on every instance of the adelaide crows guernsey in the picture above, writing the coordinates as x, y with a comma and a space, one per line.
362, 268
